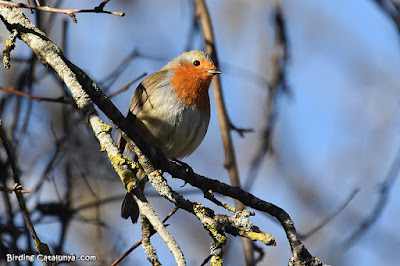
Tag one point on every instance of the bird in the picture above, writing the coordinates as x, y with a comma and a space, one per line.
170, 109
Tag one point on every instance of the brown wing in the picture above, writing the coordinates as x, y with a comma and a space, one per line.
139, 97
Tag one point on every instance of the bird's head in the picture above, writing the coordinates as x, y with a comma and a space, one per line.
193, 72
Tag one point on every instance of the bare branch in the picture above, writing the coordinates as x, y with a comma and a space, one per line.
137, 244
10, 45
147, 246
329, 218
107, 81
126, 87
102, 4
15, 188
392, 11
41, 247
241, 131
69, 12
384, 191
276, 84
37, 98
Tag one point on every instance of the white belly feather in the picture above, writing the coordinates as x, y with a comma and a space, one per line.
181, 129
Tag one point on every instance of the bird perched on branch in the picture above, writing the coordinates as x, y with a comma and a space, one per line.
170, 109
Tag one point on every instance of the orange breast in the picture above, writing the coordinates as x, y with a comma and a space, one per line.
191, 85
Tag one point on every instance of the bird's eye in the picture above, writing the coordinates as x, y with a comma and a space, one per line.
196, 63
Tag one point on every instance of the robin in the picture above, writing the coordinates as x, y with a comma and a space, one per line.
170, 109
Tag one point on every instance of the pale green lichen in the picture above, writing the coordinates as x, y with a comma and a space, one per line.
10, 45
228, 207
216, 254
103, 148
216, 261
106, 128
214, 229
266, 238
127, 175
160, 183
42, 248
9, 42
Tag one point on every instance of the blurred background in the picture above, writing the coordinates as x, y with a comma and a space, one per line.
333, 151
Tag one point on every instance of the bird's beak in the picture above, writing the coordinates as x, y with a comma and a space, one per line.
214, 71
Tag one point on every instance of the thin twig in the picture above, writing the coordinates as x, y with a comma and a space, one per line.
384, 191
69, 12
41, 248
137, 244
28, 84
54, 159
36, 98
149, 249
241, 131
119, 69
329, 218
260, 251
276, 84
394, 14
224, 122
15, 188
102, 4
126, 87
65, 219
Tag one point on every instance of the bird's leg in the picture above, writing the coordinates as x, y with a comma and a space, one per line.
188, 169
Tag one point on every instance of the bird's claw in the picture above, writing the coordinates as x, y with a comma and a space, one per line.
188, 169
184, 184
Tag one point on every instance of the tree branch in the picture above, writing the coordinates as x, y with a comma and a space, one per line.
140, 241
37, 98
69, 12
377, 210
41, 248
276, 84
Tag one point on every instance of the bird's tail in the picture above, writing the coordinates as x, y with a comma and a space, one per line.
129, 208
